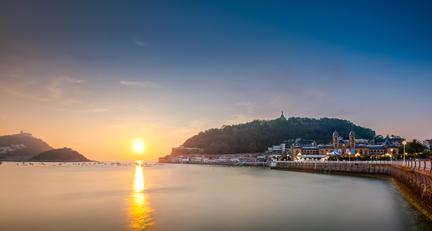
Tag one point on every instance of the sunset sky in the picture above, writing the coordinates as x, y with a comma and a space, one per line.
95, 76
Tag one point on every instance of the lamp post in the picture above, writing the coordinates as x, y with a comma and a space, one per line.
404, 154
391, 155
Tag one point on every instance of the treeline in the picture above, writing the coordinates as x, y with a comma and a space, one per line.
257, 135
415, 150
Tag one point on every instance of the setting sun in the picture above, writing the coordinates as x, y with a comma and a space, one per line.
138, 146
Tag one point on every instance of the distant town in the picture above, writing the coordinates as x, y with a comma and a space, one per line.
338, 149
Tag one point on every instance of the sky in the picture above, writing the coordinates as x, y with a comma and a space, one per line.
95, 75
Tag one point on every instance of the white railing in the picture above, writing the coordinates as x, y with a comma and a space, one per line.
421, 165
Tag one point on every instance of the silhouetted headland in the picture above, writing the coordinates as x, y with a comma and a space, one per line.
60, 155
25, 147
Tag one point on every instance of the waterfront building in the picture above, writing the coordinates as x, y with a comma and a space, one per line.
340, 146
280, 149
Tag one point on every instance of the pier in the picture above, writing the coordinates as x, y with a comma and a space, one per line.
413, 176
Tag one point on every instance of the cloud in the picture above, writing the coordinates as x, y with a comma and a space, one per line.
140, 43
71, 80
53, 90
143, 84
24, 95
88, 110
56, 86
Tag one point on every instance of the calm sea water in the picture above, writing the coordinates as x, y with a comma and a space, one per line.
193, 197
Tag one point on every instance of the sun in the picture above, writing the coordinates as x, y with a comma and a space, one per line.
138, 146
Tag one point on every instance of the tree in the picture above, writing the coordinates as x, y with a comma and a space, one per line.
415, 147
379, 139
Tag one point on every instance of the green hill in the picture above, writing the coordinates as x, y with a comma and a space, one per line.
257, 135
21, 147
60, 155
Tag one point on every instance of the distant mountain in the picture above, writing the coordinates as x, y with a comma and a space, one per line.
60, 155
257, 135
21, 147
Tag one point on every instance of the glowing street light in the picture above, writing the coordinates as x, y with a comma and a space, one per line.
391, 155
404, 154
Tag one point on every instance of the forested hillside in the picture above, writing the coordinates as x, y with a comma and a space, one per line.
257, 135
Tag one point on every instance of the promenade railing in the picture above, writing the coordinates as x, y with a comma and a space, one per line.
420, 165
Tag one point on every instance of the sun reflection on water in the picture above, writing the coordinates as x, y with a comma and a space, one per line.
140, 212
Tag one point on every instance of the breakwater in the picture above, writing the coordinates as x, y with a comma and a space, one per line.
414, 177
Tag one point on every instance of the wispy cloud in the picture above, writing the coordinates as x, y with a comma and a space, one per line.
56, 87
23, 95
143, 84
71, 80
52, 90
87, 110
140, 43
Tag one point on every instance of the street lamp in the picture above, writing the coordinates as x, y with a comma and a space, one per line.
391, 155
404, 154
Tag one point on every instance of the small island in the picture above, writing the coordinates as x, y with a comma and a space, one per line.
60, 155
